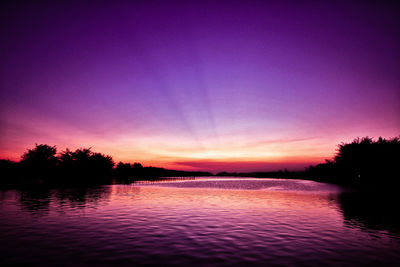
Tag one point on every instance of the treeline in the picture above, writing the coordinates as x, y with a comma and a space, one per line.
363, 162
43, 165
136, 170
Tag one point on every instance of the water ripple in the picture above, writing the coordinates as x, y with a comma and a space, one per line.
223, 222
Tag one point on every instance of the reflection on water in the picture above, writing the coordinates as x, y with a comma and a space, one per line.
371, 210
219, 221
39, 200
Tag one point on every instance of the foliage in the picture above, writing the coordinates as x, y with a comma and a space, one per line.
38, 162
41, 164
84, 162
364, 162
40, 155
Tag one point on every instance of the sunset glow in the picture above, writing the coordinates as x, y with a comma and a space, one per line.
206, 87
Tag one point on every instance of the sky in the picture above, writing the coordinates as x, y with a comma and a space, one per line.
199, 85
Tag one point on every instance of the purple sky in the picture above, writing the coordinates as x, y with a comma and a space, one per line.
207, 86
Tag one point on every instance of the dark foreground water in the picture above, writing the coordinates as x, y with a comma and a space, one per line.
207, 221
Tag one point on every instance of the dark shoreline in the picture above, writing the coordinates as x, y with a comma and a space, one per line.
364, 163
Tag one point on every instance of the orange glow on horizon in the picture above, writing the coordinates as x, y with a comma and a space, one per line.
238, 151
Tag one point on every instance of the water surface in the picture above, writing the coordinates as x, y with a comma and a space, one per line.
218, 221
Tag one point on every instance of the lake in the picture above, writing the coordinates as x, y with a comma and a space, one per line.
218, 221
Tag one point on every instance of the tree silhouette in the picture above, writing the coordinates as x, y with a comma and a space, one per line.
137, 166
363, 162
123, 170
39, 161
40, 155
367, 161
84, 162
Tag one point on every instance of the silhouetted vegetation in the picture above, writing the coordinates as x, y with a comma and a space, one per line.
9, 170
43, 165
126, 171
40, 158
363, 163
94, 167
